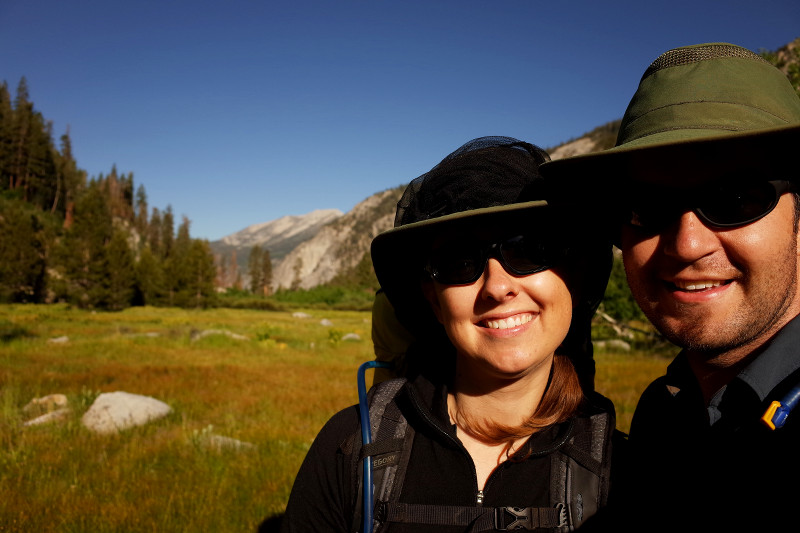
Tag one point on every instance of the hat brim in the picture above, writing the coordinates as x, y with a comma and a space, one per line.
679, 158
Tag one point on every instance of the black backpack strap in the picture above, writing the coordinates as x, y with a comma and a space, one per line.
476, 518
390, 448
389, 468
580, 470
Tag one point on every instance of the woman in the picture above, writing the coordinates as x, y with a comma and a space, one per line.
494, 428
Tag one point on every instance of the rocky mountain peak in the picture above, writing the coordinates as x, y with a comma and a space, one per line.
267, 234
338, 246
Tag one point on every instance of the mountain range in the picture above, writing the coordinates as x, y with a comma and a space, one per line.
312, 249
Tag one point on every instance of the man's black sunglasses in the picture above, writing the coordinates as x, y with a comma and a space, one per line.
463, 262
727, 205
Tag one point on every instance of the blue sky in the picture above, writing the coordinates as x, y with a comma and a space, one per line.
243, 111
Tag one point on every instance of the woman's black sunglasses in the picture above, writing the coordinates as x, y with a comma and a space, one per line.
727, 205
463, 262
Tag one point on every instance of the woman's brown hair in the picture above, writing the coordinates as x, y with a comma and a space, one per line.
559, 403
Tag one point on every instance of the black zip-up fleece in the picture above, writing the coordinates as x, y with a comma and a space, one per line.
440, 470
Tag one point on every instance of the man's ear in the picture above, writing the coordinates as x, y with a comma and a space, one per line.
429, 290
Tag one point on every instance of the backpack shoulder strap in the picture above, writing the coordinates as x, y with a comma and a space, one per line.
580, 471
389, 450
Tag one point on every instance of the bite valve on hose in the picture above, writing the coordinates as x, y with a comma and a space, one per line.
776, 414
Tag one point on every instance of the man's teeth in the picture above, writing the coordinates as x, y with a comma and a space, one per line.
510, 322
697, 285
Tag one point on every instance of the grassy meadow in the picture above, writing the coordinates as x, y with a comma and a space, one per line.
273, 388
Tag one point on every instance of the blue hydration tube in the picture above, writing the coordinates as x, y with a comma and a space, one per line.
776, 414
366, 438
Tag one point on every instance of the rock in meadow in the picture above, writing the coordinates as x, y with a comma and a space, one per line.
45, 404
197, 335
48, 418
220, 443
112, 412
613, 344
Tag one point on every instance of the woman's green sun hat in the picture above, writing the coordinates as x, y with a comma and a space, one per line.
701, 112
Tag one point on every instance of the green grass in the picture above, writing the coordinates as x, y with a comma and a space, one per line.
275, 389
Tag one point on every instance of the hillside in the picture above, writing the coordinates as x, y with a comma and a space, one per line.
308, 250
311, 254
279, 236
325, 245
339, 246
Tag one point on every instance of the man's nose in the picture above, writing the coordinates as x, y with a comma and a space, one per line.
688, 239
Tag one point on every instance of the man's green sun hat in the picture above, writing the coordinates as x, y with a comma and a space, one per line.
701, 112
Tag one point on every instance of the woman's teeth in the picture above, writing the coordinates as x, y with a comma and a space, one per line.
510, 322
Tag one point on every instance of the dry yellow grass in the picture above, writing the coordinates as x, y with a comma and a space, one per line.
623, 378
275, 390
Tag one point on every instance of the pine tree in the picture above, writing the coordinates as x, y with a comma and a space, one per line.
234, 277
119, 194
70, 180
201, 269
154, 234
167, 232
22, 254
32, 153
255, 270
177, 268
266, 272
222, 270
20, 130
141, 213
149, 279
120, 273
296, 280
82, 254
6, 138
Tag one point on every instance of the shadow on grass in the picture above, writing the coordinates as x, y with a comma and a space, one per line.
271, 524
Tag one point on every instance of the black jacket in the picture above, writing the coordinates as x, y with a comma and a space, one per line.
440, 470
717, 467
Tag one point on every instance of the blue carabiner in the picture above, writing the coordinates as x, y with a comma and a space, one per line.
366, 438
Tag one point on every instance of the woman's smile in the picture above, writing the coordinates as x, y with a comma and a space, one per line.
507, 322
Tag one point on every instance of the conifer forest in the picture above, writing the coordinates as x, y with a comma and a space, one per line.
93, 242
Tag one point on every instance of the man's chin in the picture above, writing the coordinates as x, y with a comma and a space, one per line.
693, 334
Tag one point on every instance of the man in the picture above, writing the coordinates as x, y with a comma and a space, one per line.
703, 177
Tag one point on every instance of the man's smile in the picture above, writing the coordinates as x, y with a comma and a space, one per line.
696, 285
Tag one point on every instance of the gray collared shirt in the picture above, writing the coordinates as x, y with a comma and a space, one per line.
779, 359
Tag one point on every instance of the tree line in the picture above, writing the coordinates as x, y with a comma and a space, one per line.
92, 242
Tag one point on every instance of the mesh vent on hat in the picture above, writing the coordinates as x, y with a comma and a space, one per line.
693, 54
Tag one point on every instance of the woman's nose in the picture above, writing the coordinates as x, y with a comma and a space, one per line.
498, 284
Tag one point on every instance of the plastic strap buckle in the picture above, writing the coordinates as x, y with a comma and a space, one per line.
530, 517
521, 516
